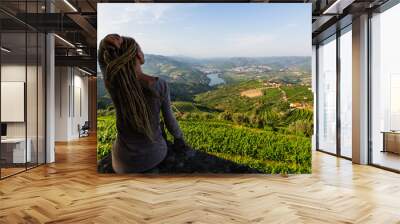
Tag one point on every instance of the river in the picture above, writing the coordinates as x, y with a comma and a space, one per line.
215, 79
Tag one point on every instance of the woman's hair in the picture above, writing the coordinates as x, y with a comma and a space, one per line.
123, 85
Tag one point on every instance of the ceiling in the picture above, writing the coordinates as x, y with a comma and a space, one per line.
331, 15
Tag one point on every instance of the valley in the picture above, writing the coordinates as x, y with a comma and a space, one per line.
253, 111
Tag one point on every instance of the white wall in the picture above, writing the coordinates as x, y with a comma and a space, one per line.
71, 94
80, 110
314, 90
62, 82
33, 127
15, 72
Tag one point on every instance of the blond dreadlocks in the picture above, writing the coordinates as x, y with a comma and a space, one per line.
123, 85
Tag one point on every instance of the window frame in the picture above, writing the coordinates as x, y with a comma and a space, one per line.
336, 35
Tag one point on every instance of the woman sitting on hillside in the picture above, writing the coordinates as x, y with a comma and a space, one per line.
138, 99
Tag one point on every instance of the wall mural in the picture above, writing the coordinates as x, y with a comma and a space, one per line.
204, 88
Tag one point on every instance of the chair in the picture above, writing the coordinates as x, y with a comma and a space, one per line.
84, 130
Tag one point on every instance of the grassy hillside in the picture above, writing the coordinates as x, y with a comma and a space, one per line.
298, 93
185, 80
103, 98
227, 97
230, 97
265, 151
261, 117
173, 71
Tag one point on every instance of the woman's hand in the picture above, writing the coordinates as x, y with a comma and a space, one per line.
114, 39
179, 144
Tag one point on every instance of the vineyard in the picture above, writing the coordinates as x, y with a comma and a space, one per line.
266, 151
267, 132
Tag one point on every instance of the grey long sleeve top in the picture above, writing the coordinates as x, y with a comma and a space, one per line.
132, 151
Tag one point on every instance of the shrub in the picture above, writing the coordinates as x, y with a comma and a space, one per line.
264, 150
226, 116
240, 118
301, 127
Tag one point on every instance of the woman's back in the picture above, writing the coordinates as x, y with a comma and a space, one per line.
133, 151
138, 100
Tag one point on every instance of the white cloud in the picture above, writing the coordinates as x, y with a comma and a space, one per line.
145, 13
167, 29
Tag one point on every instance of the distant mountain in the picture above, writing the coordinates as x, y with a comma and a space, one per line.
103, 98
186, 79
173, 70
298, 63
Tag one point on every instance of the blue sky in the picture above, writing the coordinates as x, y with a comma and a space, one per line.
211, 30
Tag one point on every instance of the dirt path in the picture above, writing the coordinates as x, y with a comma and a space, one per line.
284, 95
252, 93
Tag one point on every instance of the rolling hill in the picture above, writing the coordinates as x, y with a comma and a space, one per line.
260, 116
187, 78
